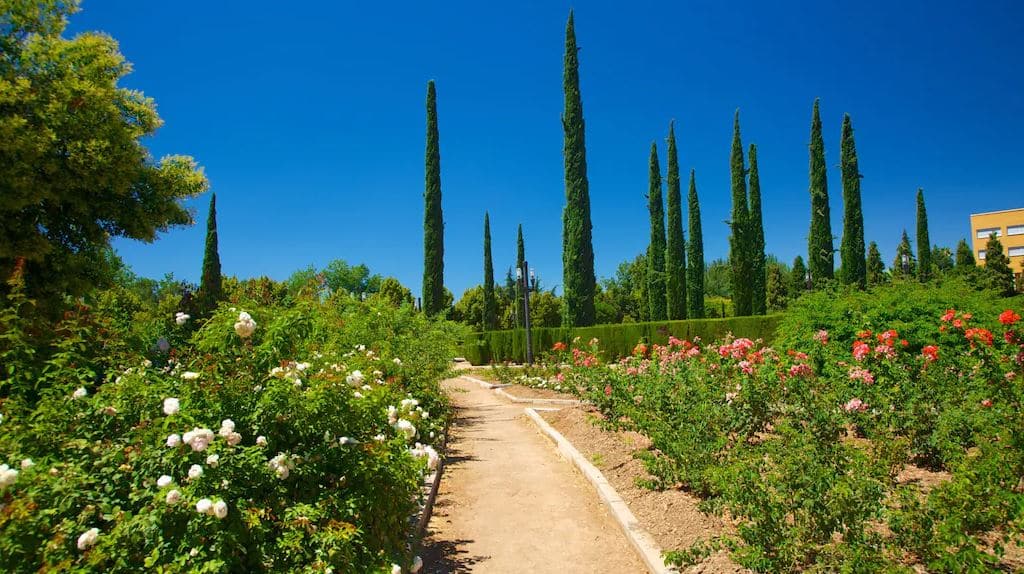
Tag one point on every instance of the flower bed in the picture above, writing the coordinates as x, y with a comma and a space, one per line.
808, 449
272, 439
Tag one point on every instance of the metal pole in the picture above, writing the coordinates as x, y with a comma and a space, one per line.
526, 311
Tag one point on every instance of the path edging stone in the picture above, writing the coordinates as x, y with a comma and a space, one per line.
642, 541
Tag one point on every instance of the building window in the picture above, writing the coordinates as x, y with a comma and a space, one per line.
985, 233
1015, 230
981, 255
1016, 252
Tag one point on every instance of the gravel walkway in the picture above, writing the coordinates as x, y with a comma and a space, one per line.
508, 503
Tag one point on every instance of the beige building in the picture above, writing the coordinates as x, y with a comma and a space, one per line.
1008, 225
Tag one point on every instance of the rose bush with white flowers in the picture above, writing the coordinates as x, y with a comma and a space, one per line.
263, 443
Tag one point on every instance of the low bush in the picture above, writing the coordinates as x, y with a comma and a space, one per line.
616, 340
804, 448
269, 439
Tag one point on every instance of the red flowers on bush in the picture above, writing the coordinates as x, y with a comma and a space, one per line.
559, 346
640, 350
978, 334
930, 353
861, 350
1008, 317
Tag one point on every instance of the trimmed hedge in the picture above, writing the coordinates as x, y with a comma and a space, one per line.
616, 340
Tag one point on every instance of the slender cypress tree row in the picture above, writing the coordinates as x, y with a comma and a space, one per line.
739, 243
758, 272
656, 293
210, 286
490, 306
520, 258
820, 258
853, 270
875, 266
964, 255
695, 251
578, 282
924, 244
433, 220
675, 253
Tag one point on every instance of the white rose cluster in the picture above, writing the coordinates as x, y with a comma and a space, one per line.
245, 326
7, 476
171, 406
181, 318
227, 430
420, 451
211, 508
88, 538
198, 438
290, 371
281, 465
355, 378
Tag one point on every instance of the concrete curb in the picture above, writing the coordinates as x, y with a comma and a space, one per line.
538, 401
641, 540
430, 487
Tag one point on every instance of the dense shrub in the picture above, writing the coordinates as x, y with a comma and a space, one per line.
804, 448
616, 340
275, 439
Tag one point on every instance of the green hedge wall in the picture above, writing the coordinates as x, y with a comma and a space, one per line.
616, 340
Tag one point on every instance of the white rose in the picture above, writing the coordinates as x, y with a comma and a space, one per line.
195, 471
227, 426
234, 438
355, 378
164, 480
261, 441
220, 509
405, 427
213, 460
396, 569
171, 406
204, 506
27, 463
173, 497
190, 375
7, 476
79, 393
174, 440
88, 538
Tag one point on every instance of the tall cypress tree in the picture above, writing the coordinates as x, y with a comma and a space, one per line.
490, 306
798, 277
875, 266
656, 294
578, 282
820, 259
924, 244
853, 270
210, 286
695, 251
433, 221
997, 267
964, 255
675, 253
520, 259
758, 273
739, 244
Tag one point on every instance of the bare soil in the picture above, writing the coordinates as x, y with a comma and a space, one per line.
509, 504
670, 516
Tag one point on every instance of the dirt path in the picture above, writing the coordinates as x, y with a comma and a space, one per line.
509, 504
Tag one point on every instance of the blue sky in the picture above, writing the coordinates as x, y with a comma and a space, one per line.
310, 122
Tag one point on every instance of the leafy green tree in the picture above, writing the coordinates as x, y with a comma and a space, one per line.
74, 173
433, 219
490, 305
695, 253
758, 277
210, 286
675, 251
579, 282
469, 309
656, 291
942, 259
997, 266
820, 257
905, 264
924, 250
718, 279
624, 293
739, 243
356, 280
875, 266
964, 254
798, 277
777, 288
853, 269
545, 309
394, 293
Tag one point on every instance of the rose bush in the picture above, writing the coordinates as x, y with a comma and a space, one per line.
273, 438
805, 448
